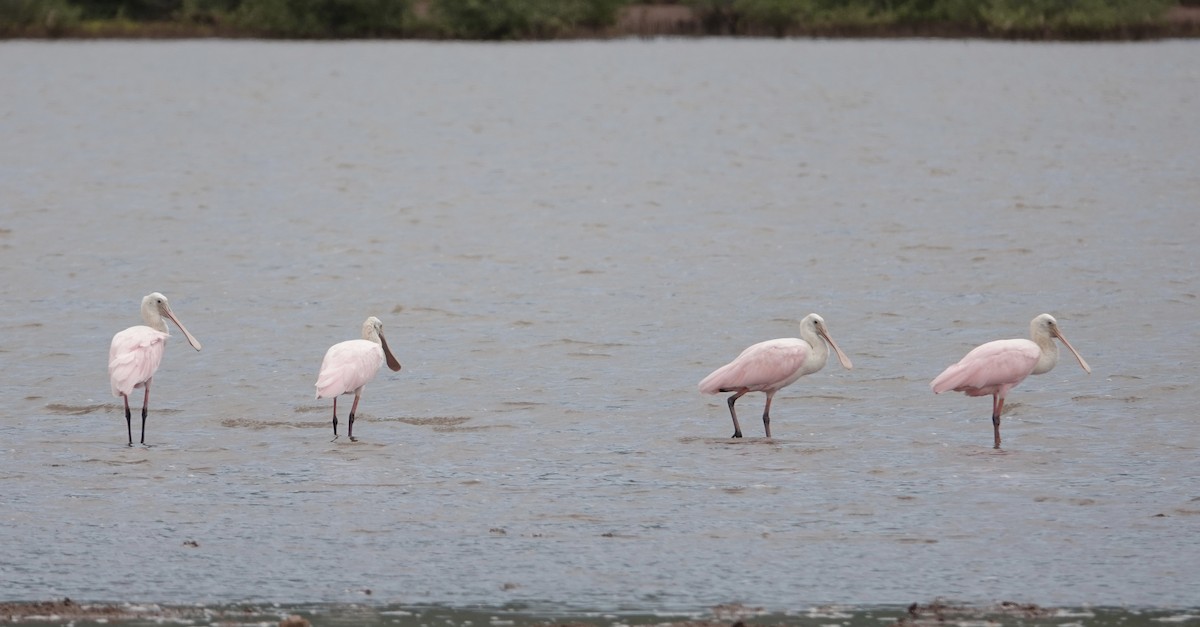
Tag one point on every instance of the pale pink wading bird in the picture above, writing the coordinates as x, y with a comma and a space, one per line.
136, 352
997, 367
349, 366
773, 365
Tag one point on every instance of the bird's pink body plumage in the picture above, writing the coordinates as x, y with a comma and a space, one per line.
992, 368
347, 367
764, 367
134, 357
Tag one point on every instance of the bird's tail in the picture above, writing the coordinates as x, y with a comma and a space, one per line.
328, 386
950, 378
123, 373
712, 383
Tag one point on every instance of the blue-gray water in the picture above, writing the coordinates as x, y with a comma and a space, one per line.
561, 240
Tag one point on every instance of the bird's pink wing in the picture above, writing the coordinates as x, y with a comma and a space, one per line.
763, 366
134, 357
348, 366
989, 367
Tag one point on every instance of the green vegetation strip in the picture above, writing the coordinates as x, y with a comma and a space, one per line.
554, 19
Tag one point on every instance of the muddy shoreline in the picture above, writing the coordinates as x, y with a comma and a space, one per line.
930, 614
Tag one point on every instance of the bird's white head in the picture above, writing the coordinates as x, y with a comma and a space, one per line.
815, 325
1043, 324
1046, 326
154, 308
373, 331
152, 314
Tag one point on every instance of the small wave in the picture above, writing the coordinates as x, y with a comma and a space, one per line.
750, 441
1105, 397
257, 425
927, 247
431, 310
830, 397
976, 450
573, 342
115, 462
432, 421
449, 428
63, 409
518, 405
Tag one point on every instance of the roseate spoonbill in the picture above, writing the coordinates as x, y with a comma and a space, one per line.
772, 365
348, 367
136, 352
997, 367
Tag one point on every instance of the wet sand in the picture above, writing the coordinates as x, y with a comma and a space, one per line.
934, 613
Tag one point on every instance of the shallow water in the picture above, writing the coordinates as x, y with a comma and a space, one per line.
561, 240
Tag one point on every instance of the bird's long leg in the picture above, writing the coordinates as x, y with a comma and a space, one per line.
353, 408
335, 418
128, 419
767, 414
997, 407
145, 408
737, 429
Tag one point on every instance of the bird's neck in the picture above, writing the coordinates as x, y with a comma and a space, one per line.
820, 349
1049, 354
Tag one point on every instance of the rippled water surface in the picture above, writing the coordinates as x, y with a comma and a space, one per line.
561, 240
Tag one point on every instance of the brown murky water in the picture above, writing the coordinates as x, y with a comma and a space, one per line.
561, 240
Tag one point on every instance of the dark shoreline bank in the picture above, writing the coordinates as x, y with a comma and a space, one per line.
649, 21
932, 614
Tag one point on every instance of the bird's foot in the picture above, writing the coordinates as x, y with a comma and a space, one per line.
353, 439
736, 434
